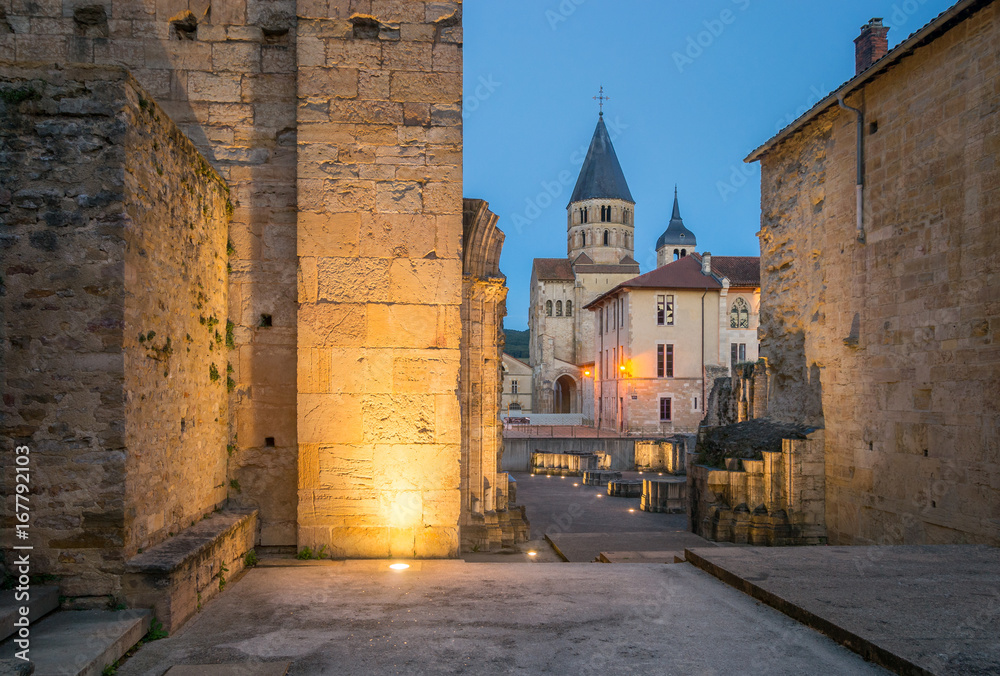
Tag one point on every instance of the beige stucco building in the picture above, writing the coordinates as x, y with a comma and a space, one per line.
657, 333
600, 244
517, 393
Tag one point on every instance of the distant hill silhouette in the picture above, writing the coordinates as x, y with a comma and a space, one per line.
517, 344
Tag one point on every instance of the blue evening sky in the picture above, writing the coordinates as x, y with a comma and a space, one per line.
694, 87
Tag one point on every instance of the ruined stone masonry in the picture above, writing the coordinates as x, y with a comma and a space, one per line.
489, 519
114, 334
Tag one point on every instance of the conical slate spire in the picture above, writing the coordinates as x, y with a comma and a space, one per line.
676, 234
601, 175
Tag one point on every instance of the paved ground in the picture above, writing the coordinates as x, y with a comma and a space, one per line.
565, 505
587, 547
932, 608
452, 617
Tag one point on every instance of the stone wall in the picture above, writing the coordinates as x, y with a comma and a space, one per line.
224, 72
775, 501
661, 456
484, 291
114, 301
380, 277
890, 343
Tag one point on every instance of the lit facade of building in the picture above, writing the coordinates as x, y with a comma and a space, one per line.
655, 334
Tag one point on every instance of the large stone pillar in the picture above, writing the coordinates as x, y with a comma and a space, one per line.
380, 270
484, 293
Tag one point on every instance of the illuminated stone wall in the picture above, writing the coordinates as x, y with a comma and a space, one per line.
113, 312
891, 344
380, 277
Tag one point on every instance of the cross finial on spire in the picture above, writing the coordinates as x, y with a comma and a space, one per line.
601, 98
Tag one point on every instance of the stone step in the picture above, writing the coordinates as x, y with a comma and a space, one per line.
42, 601
81, 642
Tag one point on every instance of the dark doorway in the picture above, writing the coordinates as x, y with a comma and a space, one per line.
565, 392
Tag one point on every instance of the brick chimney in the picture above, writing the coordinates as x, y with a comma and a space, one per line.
871, 45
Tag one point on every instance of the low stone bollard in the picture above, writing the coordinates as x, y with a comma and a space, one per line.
665, 495
599, 477
625, 488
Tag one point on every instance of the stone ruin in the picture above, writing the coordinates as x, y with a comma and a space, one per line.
664, 495
574, 463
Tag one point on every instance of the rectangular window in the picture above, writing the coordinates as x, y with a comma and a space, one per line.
607, 316
621, 314
695, 406
513, 387
600, 319
734, 355
665, 310
743, 351
664, 409
664, 361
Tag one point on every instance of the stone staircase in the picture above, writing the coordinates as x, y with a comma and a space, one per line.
67, 642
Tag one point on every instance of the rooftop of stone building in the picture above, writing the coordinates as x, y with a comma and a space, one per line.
553, 269
601, 175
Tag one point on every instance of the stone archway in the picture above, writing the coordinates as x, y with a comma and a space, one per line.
565, 395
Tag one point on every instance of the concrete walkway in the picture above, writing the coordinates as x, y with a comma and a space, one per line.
452, 617
915, 609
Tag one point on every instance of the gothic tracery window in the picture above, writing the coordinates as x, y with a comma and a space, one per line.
548, 308
739, 315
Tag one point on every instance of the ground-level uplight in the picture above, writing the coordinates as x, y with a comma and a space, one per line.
631, 510
399, 566
576, 484
532, 553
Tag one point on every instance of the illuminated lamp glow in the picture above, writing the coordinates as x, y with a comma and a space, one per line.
399, 566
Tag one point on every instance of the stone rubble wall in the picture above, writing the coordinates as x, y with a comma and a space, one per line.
114, 238
890, 344
224, 72
776, 501
379, 184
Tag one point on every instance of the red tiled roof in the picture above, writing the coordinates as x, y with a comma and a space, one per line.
685, 273
741, 270
554, 268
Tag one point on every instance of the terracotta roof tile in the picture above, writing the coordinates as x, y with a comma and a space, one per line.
554, 268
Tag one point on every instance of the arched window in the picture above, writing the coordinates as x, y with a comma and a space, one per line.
584, 233
548, 308
607, 237
569, 308
677, 254
684, 253
558, 308
739, 316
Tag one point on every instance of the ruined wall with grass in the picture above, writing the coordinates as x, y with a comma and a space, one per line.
177, 372
113, 231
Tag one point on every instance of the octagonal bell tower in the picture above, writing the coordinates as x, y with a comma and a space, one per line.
601, 212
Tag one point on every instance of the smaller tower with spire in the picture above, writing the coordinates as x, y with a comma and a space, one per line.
676, 241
